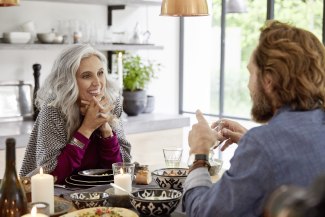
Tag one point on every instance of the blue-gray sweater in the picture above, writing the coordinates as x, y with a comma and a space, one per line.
289, 150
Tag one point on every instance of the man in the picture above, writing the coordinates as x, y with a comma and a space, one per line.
287, 87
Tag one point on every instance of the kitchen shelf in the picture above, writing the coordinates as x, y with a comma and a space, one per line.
106, 2
102, 47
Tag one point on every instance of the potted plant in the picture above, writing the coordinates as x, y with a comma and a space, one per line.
137, 74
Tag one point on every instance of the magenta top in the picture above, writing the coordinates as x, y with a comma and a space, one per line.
98, 153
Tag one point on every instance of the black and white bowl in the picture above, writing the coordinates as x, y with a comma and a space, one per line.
89, 199
155, 202
170, 178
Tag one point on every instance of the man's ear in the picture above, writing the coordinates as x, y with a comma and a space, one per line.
268, 84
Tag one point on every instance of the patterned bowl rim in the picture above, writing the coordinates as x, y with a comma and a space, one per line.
179, 196
155, 172
104, 196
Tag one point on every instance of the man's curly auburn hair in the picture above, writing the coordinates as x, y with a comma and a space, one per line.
295, 60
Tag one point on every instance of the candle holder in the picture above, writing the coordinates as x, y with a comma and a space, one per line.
41, 207
123, 176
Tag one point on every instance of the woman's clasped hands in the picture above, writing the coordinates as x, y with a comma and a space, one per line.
97, 115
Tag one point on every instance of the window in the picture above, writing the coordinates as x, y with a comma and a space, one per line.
202, 49
202, 53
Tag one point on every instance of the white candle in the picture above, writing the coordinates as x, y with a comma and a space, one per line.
33, 213
123, 180
120, 70
43, 189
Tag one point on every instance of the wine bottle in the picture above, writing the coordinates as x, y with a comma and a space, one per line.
13, 200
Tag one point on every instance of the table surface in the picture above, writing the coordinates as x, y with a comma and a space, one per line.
65, 194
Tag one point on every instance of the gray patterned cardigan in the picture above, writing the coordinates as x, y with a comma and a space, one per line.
49, 137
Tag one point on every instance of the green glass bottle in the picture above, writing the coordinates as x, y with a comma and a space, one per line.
13, 200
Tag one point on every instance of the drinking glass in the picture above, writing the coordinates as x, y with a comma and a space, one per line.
173, 156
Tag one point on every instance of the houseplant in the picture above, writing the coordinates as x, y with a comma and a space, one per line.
137, 74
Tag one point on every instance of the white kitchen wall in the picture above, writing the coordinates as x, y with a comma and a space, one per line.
17, 64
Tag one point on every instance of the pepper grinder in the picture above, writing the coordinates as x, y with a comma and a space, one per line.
37, 72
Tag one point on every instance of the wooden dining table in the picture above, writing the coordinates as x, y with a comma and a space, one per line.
64, 193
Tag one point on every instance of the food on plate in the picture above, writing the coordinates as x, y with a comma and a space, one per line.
101, 212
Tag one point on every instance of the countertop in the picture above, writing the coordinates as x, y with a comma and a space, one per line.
20, 130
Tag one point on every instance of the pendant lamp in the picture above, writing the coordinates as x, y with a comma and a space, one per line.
7, 3
184, 8
236, 6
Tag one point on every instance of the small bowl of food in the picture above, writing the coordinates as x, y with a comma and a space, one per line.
84, 200
155, 202
170, 178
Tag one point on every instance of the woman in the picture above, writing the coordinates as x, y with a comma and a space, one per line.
78, 125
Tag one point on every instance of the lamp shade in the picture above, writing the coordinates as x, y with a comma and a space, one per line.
7, 3
183, 8
236, 6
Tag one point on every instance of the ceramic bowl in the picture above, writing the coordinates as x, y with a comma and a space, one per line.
84, 200
170, 178
118, 200
47, 38
155, 202
17, 37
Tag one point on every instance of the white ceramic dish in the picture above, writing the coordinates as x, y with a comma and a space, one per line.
46, 38
17, 37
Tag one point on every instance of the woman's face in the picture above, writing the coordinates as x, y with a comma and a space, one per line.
90, 78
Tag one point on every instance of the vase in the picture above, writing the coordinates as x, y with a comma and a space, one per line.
134, 102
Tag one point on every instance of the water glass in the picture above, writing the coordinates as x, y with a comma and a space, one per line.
173, 156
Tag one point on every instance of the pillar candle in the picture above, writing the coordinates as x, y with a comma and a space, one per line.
120, 70
33, 213
123, 180
43, 189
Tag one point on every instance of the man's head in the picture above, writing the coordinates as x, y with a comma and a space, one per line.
287, 68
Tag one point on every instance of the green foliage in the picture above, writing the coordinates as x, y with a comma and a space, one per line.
305, 14
137, 73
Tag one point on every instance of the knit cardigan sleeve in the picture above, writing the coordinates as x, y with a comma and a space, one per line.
46, 141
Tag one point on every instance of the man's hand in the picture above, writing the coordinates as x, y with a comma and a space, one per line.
228, 131
201, 137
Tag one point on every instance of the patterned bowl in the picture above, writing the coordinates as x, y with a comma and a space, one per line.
155, 202
170, 178
84, 200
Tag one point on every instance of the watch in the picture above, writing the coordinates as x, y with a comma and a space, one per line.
194, 157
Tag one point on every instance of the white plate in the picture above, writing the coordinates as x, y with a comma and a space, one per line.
91, 211
98, 173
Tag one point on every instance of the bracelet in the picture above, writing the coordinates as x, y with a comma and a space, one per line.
199, 163
76, 142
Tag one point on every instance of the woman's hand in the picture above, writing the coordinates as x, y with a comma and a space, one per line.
97, 115
228, 131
